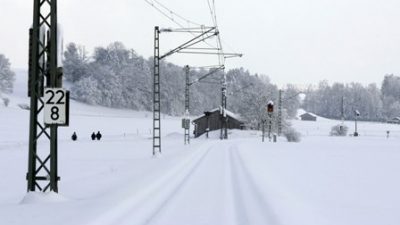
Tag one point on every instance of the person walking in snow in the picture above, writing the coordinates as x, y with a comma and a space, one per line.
74, 136
93, 136
98, 135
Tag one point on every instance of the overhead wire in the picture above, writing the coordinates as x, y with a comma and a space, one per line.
154, 4
230, 48
215, 13
163, 13
171, 15
176, 14
212, 13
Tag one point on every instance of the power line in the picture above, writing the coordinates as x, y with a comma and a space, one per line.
212, 13
176, 14
169, 14
230, 47
163, 13
215, 13
152, 4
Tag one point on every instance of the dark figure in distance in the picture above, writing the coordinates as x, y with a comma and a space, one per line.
98, 135
93, 136
74, 136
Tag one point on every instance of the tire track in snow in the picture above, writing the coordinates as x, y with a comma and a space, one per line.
250, 204
204, 192
177, 188
143, 205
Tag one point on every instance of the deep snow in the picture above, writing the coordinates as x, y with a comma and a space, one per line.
322, 180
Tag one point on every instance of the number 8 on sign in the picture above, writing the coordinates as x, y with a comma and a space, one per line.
55, 106
54, 113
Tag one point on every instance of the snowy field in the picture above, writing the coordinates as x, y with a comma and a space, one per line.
322, 180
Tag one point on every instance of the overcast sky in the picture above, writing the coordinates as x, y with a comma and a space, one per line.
291, 41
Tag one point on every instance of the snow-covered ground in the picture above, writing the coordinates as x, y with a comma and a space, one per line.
322, 180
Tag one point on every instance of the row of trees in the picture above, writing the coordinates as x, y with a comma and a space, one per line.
374, 103
7, 76
118, 77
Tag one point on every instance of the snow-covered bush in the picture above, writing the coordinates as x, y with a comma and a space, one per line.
291, 135
339, 130
6, 101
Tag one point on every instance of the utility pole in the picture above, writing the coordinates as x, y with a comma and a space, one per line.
46, 97
186, 120
223, 116
270, 110
341, 126
269, 126
280, 112
342, 110
356, 115
263, 129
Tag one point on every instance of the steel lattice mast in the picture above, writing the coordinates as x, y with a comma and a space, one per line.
203, 33
43, 72
156, 95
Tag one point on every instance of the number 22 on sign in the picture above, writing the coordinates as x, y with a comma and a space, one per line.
55, 106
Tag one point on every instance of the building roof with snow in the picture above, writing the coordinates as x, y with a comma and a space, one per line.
308, 116
395, 120
214, 119
229, 113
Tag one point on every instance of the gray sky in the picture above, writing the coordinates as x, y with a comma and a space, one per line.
291, 41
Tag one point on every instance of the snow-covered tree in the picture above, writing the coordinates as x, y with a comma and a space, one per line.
373, 103
291, 100
391, 96
7, 77
75, 63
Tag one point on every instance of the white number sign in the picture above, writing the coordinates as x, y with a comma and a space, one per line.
55, 106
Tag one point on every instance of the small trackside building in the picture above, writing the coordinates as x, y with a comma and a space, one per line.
212, 120
308, 117
395, 120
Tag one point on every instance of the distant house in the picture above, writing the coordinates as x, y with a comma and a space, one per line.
212, 120
395, 120
308, 117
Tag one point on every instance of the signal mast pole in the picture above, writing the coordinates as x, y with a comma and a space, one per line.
224, 118
280, 112
186, 120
